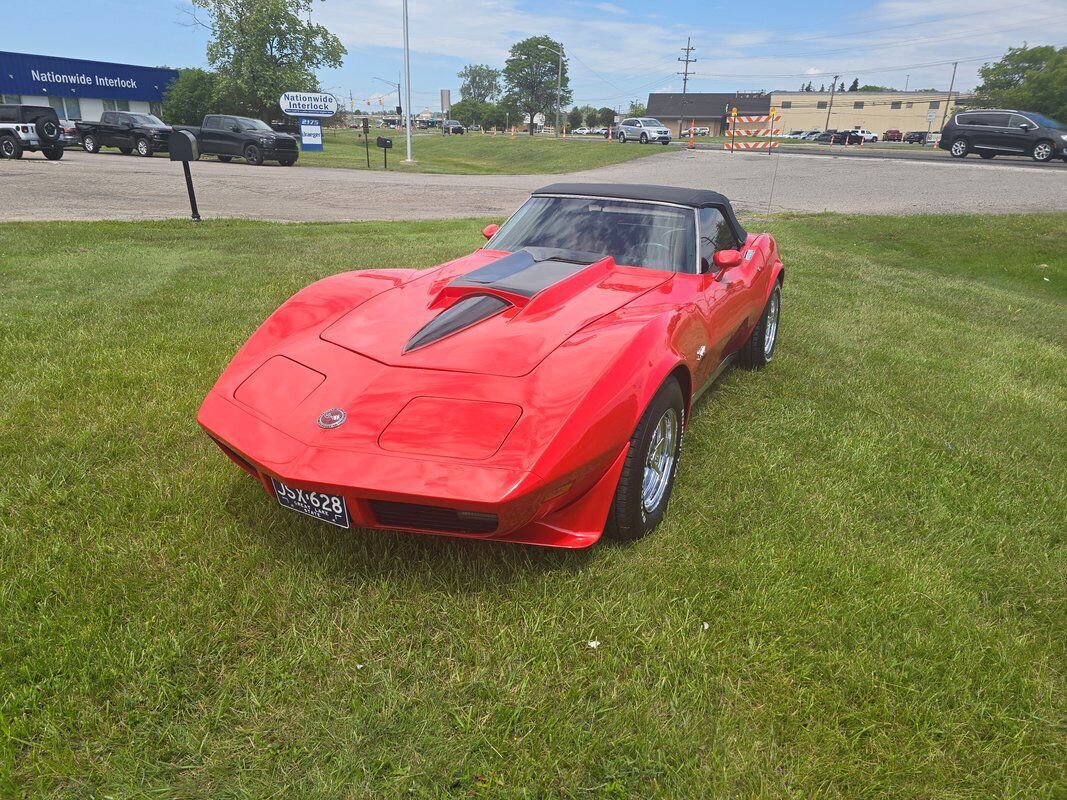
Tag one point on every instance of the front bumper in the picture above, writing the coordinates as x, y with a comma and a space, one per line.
280, 153
526, 509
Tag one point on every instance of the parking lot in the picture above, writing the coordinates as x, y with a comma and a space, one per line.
111, 186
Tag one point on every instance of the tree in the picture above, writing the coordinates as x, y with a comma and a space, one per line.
855, 85
822, 87
808, 87
870, 87
605, 116
480, 82
191, 97
262, 48
637, 108
1030, 78
588, 115
841, 88
574, 118
530, 76
470, 111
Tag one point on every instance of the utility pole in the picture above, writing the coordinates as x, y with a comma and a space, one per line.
685, 78
833, 88
559, 83
407, 83
948, 99
907, 79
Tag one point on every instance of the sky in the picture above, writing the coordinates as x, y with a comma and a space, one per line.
618, 51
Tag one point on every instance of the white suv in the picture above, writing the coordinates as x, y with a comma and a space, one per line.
30, 128
643, 130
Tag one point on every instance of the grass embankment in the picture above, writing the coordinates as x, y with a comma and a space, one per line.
472, 153
858, 591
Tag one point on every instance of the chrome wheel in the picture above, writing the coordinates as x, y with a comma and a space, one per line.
771, 331
959, 148
1042, 151
142, 147
659, 463
7, 148
89, 143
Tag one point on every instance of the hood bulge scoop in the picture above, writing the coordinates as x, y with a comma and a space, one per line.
502, 318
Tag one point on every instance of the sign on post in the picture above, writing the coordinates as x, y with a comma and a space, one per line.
308, 104
310, 133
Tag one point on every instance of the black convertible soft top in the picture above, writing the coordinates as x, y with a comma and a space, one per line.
694, 198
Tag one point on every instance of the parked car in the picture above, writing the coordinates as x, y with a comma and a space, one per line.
791, 135
847, 137
915, 137
228, 137
582, 131
993, 132
474, 126
697, 131
534, 391
453, 126
25, 128
127, 130
825, 137
643, 130
811, 135
865, 135
68, 136
892, 135
601, 131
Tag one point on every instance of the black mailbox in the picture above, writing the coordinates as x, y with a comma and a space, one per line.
183, 147
384, 143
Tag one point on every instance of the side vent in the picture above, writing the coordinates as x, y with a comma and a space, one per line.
466, 312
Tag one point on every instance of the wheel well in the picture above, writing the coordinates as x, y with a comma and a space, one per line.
685, 380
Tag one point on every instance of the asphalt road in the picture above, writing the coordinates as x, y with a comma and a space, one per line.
113, 186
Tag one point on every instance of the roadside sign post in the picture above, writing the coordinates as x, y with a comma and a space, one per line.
366, 139
183, 147
309, 108
930, 117
310, 134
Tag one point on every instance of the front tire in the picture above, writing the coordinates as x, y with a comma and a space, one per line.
224, 159
1042, 152
90, 144
622, 137
759, 349
10, 147
648, 473
959, 148
253, 155
644, 138
144, 147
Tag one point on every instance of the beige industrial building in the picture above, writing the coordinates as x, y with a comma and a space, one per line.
875, 111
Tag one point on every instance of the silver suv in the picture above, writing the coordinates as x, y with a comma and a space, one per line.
30, 128
643, 130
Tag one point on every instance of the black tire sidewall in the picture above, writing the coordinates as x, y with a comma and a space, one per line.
966, 147
47, 130
627, 518
90, 148
9, 143
258, 159
147, 147
53, 153
1051, 151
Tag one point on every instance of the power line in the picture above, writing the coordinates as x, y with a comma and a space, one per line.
685, 77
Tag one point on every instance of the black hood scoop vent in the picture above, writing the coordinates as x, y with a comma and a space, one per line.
468, 311
506, 282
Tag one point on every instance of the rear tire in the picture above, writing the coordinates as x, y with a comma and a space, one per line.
648, 473
10, 147
1042, 152
759, 349
959, 148
125, 150
90, 144
53, 153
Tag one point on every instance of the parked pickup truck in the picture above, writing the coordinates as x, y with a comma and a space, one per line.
127, 130
253, 140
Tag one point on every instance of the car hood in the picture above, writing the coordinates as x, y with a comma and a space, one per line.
490, 313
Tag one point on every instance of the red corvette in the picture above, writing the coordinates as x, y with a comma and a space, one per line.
533, 391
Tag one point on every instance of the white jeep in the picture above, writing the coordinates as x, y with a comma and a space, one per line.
33, 128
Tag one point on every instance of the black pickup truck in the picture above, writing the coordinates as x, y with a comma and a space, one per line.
229, 137
129, 131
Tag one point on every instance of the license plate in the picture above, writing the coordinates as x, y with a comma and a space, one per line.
320, 505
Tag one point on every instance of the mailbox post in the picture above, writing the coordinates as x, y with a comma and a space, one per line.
366, 139
386, 144
183, 148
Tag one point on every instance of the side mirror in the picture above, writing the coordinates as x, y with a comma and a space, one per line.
1024, 127
489, 231
724, 259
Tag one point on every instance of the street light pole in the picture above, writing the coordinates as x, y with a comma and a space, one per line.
559, 83
407, 81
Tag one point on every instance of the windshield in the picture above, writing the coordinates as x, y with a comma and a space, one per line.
148, 119
1046, 122
254, 124
646, 121
633, 233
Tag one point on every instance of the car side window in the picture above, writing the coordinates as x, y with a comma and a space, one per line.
1017, 121
107, 118
211, 122
8, 114
715, 235
629, 123
997, 120
968, 119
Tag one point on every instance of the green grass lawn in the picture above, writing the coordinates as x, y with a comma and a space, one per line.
473, 153
859, 589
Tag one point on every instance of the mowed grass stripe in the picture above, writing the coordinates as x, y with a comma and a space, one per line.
871, 530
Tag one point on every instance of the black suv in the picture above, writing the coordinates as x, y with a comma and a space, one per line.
30, 128
999, 132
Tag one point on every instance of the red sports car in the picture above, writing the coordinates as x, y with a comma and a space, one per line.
534, 391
